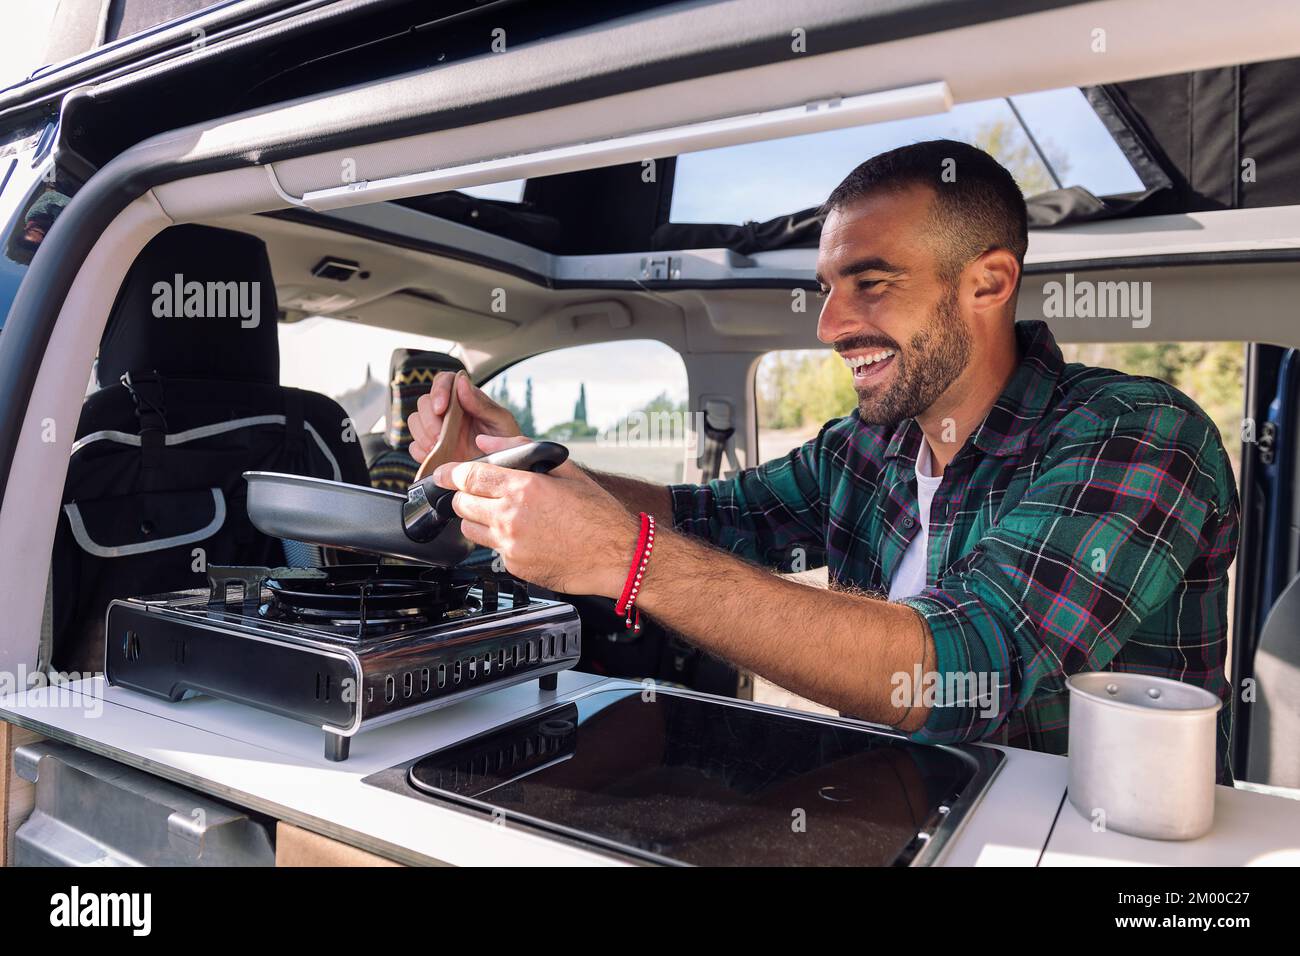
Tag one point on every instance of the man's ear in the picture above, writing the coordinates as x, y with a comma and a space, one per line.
996, 274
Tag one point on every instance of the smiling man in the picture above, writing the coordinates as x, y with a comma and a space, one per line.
993, 519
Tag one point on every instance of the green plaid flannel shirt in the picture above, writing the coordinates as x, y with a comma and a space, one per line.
1087, 524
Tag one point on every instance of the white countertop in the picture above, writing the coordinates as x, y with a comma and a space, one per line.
1250, 829
277, 766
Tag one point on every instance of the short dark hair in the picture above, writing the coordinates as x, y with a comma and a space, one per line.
977, 204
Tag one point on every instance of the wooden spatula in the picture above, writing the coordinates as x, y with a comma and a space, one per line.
444, 450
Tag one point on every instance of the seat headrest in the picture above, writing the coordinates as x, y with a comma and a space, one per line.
411, 373
198, 303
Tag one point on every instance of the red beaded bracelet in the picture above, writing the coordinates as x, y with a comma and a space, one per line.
645, 543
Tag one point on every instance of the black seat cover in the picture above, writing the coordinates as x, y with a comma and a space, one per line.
141, 334
190, 399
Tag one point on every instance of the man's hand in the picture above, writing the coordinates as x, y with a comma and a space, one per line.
482, 416
561, 530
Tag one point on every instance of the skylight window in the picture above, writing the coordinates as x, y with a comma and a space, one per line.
512, 191
760, 181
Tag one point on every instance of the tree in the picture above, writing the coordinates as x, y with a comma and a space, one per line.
1006, 142
580, 408
801, 388
525, 417
662, 403
502, 394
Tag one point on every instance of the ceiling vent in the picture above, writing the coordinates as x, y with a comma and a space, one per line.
339, 270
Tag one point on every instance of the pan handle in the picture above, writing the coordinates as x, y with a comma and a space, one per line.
428, 507
540, 456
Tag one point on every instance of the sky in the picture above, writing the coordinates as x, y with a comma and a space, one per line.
752, 182
761, 181
22, 41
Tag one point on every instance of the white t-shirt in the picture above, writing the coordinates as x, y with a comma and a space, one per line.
909, 579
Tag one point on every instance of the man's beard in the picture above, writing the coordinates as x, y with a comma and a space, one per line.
930, 363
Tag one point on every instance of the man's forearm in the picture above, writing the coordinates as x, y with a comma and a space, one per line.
637, 495
839, 649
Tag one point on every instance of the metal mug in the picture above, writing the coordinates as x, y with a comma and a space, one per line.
1142, 754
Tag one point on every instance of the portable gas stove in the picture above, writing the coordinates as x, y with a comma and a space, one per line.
346, 648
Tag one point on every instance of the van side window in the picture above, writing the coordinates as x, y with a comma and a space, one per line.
799, 390
29, 204
618, 406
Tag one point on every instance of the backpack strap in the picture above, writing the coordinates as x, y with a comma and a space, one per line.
146, 390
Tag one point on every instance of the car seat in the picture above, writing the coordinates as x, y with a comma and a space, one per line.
189, 400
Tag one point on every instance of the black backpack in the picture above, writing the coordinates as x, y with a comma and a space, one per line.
155, 492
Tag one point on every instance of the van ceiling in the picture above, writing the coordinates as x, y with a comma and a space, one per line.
393, 287
426, 294
1213, 139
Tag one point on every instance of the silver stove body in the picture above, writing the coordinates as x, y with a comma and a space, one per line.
184, 643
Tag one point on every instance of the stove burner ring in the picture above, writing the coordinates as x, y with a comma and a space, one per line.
364, 599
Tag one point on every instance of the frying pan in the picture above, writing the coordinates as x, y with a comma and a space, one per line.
418, 526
